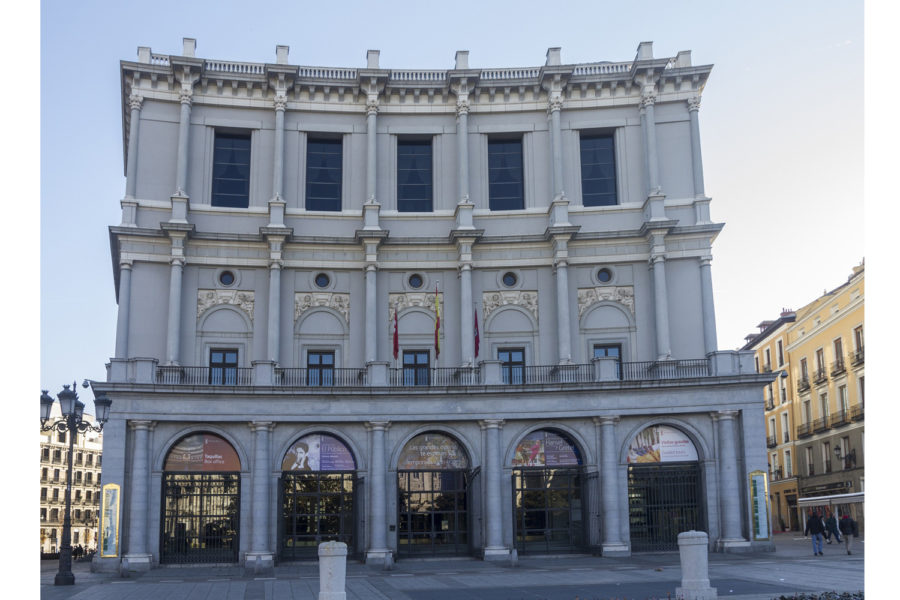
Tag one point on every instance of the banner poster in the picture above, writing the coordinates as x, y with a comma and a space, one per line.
432, 451
759, 505
660, 443
545, 449
109, 520
202, 452
318, 452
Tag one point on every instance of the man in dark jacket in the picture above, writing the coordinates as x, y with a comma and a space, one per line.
831, 527
815, 526
850, 530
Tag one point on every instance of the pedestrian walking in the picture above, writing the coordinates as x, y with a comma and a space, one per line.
815, 527
831, 527
850, 530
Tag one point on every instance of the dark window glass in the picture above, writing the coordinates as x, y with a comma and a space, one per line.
510, 279
415, 367
226, 278
223, 366
512, 364
324, 168
415, 281
414, 177
320, 368
598, 171
322, 280
604, 275
231, 170
506, 188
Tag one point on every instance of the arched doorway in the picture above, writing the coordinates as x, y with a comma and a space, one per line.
547, 494
664, 489
318, 496
201, 499
432, 487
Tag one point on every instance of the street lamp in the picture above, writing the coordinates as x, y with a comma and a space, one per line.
849, 458
72, 424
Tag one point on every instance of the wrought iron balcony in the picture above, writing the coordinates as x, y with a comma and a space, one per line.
820, 376
777, 474
858, 357
837, 367
224, 376
804, 430
803, 384
320, 377
770, 442
856, 412
820, 425
769, 404
841, 417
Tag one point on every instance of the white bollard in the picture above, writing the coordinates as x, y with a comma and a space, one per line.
332, 571
694, 549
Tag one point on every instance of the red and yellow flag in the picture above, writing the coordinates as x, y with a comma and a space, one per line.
437, 324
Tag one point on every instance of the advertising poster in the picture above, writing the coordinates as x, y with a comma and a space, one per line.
318, 452
202, 452
546, 449
660, 443
432, 451
759, 505
109, 520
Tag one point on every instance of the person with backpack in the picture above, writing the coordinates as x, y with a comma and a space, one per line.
815, 526
850, 530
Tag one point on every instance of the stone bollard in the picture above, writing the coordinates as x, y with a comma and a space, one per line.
332, 571
694, 549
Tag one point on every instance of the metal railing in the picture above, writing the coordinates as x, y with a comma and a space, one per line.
820, 375
804, 430
665, 369
837, 367
856, 412
177, 375
304, 377
820, 424
770, 442
841, 417
857, 357
803, 384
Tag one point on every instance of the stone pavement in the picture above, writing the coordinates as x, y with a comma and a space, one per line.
792, 568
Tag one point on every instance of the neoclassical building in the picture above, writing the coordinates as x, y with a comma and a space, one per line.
424, 312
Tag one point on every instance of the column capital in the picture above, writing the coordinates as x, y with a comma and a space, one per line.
491, 424
260, 426
141, 425
135, 101
462, 105
648, 97
605, 421
555, 103
280, 101
126, 263
372, 106
693, 103
377, 425
724, 415
705, 261
177, 261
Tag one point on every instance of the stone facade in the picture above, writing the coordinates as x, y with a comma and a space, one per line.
595, 318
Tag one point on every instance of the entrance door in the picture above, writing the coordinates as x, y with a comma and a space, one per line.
316, 508
433, 513
663, 501
549, 510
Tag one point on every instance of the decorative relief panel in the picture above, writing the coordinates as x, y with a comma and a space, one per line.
623, 294
425, 300
527, 299
303, 301
243, 300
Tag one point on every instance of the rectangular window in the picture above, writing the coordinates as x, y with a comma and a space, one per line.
324, 174
845, 450
843, 400
512, 364
780, 353
56, 493
506, 180
826, 456
223, 365
43, 494
61, 437
45, 454
43, 514
90, 460
784, 397
768, 360
838, 351
231, 170
598, 170
785, 430
807, 417
610, 350
810, 469
804, 369
858, 338
820, 360
414, 176
320, 368
416, 365
788, 466
823, 405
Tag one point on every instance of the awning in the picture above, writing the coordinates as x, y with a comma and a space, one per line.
832, 500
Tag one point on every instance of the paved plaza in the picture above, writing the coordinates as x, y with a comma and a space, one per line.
757, 576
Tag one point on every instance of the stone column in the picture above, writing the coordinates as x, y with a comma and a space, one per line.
696, 159
138, 557
278, 159
378, 552
122, 322
730, 489
134, 102
173, 329
184, 125
273, 338
371, 148
371, 312
660, 295
610, 489
466, 316
563, 333
710, 341
462, 148
556, 144
648, 124
493, 472
260, 557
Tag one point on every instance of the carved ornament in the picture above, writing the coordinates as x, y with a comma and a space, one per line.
280, 101
648, 99
398, 302
523, 299
135, 101
693, 103
304, 301
243, 300
622, 294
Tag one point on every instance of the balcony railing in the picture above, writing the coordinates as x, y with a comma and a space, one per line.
664, 369
858, 357
770, 405
320, 377
770, 442
820, 376
787, 437
777, 474
856, 412
837, 367
804, 430
802, 385
176, 375
820, 424
841, 417
437, 376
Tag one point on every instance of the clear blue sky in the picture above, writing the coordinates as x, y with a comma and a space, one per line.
781, 125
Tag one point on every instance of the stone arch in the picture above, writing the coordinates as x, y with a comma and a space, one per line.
358, 456
162, 451
218, 319
314, 315
457, 436
554, 427
615, 312
693, 434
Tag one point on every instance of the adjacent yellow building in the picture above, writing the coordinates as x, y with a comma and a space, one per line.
814, 410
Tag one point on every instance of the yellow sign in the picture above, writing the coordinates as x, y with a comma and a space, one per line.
109, 521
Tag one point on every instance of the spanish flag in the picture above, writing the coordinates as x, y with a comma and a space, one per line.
437, 324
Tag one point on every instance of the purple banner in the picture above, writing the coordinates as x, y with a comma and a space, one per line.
318, 452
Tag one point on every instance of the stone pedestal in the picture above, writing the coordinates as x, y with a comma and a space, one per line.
332, 571
259, 563
136, 563
694, 549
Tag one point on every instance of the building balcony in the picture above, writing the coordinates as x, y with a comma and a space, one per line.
837, 367
770, 442
219, 376
820, 376
856, 413
857, 357
840, 418
770, 405
804, 430
777, 474
803, 385
787, 437
820, 425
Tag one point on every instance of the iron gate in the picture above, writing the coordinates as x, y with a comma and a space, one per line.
550, 514
316, 507
200, 520
663, 500
433, 513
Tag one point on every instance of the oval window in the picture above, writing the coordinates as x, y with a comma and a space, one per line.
510, 279
322, 280
226, 278
604, 275
416, 281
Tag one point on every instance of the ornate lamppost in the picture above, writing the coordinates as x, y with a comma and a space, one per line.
72, 424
